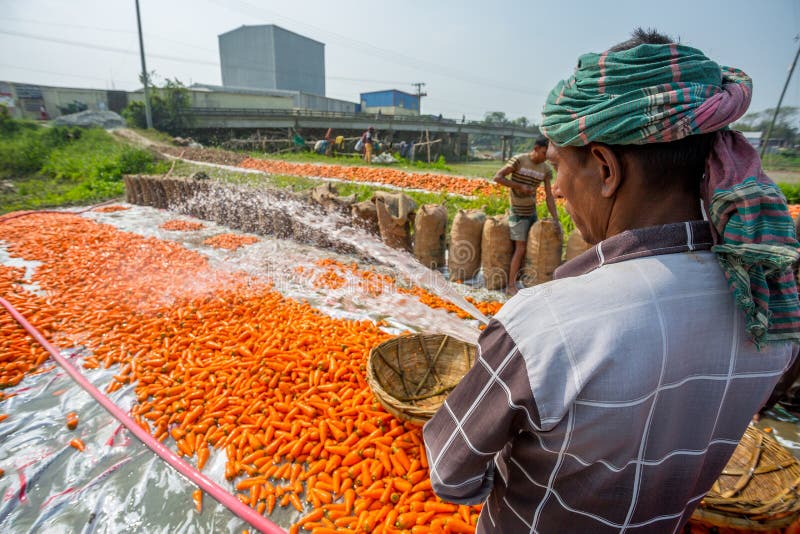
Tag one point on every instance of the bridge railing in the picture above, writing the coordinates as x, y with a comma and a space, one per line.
360, 117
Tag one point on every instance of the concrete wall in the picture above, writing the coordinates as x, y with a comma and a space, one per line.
205, 99
55, 97
322, 103
28, 98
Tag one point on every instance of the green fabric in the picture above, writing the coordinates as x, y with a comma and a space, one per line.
627, 97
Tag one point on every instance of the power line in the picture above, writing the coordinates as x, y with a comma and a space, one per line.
215, 64
207, 63
106, 48
371, 49
111, 30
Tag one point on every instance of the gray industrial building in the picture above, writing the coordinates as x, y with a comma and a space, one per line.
268, 57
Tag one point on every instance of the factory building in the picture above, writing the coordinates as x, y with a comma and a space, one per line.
268, 57
390, 102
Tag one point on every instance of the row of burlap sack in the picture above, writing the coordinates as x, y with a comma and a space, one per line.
402, 224
479, 242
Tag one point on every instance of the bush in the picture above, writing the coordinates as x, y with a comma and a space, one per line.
96, 156
791, 192
169, 109
58, 166
25, 146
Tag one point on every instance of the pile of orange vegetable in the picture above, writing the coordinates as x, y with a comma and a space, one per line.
230, 241
794, 210
428, 181
110, 209
374, 283
221, 362
180, 225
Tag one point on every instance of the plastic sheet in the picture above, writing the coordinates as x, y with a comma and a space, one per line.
117, 484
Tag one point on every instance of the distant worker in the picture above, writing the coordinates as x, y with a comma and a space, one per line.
368, 140
527, 172
329, 142
43, 113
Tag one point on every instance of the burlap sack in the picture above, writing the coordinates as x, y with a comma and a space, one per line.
172, 191
365, 216
576, 245
496, 251
542, 253
132, 189
429, 235
145, 190
159, 195
395, 214
464, 257
327, 196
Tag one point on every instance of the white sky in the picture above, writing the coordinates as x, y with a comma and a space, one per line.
474, 56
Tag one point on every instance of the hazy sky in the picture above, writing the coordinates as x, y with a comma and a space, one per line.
474, 56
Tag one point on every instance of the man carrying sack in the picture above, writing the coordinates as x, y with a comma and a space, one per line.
527, 172
611, 398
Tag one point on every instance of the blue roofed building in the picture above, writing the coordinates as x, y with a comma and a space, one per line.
390, 102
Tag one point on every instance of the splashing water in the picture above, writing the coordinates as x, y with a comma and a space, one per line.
254, 209
292, 268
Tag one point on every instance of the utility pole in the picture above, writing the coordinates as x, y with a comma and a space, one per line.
420, 94
780, 100
147, 114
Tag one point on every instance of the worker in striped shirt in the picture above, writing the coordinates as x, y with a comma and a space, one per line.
527, 172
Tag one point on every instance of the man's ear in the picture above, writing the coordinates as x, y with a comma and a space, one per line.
609, 168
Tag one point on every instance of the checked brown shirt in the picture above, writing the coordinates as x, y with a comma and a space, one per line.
609, 399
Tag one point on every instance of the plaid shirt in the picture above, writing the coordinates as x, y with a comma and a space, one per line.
609, 399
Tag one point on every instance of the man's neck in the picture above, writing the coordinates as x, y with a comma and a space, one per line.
653, 211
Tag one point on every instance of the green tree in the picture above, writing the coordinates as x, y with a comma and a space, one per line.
495, 117
169, 107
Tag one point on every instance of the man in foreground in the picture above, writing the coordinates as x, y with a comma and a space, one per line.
527, 172
611, 398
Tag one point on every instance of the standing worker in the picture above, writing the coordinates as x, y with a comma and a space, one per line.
527, 172
329, 142
368, 140
611, 398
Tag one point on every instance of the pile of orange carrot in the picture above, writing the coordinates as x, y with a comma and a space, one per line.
375, 283
427, 181
230, 241
110, 209
179, 225
222, 362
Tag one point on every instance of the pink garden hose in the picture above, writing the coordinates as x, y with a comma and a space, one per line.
222, 496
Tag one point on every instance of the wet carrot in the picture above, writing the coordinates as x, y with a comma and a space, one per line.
78, 444
274, 385
197, 496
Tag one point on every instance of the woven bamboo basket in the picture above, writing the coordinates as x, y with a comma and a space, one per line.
411, 375
757, 490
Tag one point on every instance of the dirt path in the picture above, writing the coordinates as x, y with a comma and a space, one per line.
137, 139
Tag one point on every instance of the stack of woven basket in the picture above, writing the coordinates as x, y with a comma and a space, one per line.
757, 490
